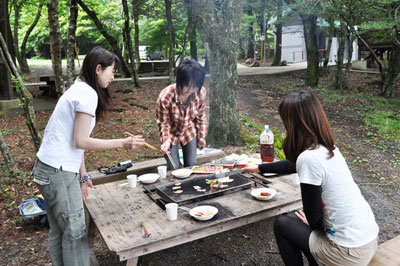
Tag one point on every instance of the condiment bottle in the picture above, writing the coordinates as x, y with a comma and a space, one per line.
267, 145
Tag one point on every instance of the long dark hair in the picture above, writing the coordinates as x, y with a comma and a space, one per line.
98, 56
306, 125
189, 73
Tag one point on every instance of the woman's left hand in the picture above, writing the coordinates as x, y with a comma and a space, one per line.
302, 216
251, 168
84, 189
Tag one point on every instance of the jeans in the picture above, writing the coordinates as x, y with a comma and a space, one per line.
68, 244
189, 154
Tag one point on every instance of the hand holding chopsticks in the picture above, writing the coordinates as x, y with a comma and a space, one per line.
155, 149
133, 142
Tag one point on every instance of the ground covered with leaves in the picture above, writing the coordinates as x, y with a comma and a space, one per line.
366, 127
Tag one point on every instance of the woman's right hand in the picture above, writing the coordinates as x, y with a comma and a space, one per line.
133, 142
165, 146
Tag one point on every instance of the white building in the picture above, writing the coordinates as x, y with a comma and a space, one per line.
294, 46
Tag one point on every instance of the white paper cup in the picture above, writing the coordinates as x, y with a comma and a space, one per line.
132, 179
172, 211
162, 171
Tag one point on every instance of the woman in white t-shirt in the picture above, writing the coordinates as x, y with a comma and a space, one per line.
337, 226
60, 171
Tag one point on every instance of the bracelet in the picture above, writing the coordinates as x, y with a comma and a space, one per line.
85, 178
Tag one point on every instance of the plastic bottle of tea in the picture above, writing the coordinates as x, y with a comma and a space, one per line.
267, 145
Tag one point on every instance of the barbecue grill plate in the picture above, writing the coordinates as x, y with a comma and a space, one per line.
190, 194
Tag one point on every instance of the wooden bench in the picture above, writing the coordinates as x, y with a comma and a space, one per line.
388, 253
50, 88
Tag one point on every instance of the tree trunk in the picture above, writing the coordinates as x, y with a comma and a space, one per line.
24, 94
127, 31
250, 39
393, 72
278, 44
192, 30
310, 36
17, 8
183, 54
111, 41
136, 14
350, 39
219, 28
328, 49
24, 63
207, 64
171, 41
73, 14
55, 45
339, 63
8, 159
10, 41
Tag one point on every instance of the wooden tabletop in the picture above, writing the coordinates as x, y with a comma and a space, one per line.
117, 211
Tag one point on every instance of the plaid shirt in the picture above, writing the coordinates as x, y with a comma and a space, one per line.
175, 124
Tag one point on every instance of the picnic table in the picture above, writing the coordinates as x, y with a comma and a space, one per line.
117, 211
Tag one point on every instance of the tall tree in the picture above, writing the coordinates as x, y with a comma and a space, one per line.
127, 33
329, 47
218, 23
168, 6
17, 8
24, 95
393, 72
136, 4
310, 36
8, 158
308, 11
73, 14
192, 29
341, 37
110, 39
278, 34
55, 45
24, 63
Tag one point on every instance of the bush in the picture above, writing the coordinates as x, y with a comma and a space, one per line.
283, 63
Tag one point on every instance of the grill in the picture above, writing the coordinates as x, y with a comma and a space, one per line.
190, 194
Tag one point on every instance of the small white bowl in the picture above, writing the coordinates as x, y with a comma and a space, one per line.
182, 173
148, 178
203, 213
257, 193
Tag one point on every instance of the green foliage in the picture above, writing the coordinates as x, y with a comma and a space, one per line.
252, 140
283, 63
4, 132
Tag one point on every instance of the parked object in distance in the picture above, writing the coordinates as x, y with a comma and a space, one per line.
155, 55
144, 53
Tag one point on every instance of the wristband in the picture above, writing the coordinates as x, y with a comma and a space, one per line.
85, 178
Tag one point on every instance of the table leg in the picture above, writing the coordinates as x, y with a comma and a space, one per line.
132, 262
91, 231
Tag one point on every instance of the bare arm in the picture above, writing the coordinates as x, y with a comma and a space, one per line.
85, 142
84, 186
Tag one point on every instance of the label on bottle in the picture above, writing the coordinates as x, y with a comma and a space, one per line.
267, 139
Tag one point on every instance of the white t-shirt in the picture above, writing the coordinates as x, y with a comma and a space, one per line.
347, 218
58, 145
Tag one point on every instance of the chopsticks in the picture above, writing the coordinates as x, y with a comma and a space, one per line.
146, 233
184, 208
154, 149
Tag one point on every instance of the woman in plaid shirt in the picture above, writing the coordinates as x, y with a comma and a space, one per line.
181, 114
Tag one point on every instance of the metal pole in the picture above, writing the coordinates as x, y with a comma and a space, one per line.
265, 38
